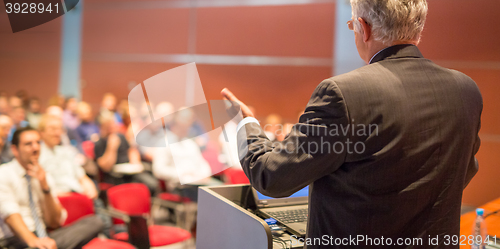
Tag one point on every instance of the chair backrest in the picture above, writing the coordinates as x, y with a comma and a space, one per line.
211, 155
88, 149
77, 206
130, 198
236, 176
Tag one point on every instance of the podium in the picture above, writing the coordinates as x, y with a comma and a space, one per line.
224, 222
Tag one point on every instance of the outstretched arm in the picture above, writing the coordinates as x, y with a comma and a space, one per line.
281, 168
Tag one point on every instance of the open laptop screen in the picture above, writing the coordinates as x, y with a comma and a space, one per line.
299, 197
301, 193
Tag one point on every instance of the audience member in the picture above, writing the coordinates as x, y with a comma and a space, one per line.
59, 160
189, 166
87, 130
23, 96
57, 100
18, 116
108, 106
28, 207
120, 162
273, 124
70, 136
5, 151
155, 131
15, 101
70, 118
123, 111
33, 116
4, 105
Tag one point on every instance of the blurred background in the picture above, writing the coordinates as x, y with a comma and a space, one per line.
270, 53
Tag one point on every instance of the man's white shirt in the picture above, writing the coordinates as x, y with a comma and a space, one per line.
189, 166
14, 197
61, 165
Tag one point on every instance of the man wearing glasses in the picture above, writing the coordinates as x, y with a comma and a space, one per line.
387, 149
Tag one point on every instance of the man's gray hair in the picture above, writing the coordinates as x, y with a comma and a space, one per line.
391, 20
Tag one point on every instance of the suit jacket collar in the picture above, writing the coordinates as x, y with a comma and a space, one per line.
397, 51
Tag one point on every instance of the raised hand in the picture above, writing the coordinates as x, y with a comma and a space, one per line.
228, 95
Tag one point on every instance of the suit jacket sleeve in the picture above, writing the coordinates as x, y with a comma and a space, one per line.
473, 166
315, 147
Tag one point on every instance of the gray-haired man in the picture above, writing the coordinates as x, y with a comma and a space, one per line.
404, 177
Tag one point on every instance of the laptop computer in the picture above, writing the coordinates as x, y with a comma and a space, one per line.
291, 211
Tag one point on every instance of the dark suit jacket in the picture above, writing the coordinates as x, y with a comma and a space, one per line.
387, 150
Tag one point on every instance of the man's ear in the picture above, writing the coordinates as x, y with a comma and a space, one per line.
367, 29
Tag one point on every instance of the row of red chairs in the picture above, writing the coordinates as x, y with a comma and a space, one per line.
129, 203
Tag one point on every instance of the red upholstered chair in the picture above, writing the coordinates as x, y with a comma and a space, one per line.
133, 202
79, 206
211, 155
88, 149
235, 176
183, 208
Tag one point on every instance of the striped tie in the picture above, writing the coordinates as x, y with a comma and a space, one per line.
40, 231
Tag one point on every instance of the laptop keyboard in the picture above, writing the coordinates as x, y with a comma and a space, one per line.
290, 216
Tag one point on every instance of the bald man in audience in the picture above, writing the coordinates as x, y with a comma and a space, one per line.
5, 126
70, 136
59, 160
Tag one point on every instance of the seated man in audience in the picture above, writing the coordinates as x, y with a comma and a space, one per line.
59, 160
34, 115
120, 162
4, 105
18, 115
87, 130
108, 106
71, 139
28, 207
70, 117
5, 126
15, 101
189, 166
